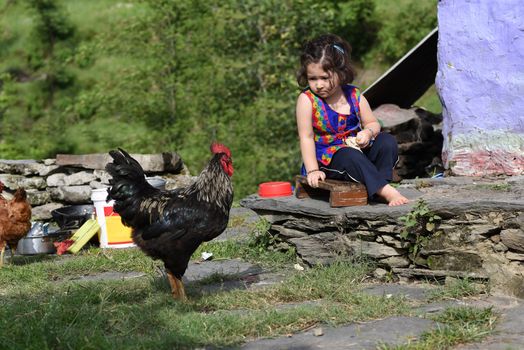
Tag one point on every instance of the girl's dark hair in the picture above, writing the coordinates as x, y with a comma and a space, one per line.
332, 52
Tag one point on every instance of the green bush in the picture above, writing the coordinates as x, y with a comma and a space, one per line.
404, 24
162, 75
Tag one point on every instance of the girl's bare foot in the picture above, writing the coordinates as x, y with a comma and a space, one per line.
392, 196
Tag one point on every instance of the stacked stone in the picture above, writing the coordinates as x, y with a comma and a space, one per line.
419, 137
478, 246
69, 179
467, 243
479, 233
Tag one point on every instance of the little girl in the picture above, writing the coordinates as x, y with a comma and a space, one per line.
339, 136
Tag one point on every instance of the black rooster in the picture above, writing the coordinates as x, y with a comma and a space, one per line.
170, 225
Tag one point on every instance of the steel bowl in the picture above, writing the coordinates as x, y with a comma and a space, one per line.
36, 245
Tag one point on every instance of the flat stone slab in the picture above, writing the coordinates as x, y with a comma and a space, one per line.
237, 274
445, 195
198, 271
477, 233
412, 292
162, 162
391, 331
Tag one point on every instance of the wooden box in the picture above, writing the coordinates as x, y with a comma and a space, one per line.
341, 193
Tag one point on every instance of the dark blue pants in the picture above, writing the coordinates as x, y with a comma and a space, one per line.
372, 167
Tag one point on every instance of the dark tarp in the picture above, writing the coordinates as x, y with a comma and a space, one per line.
408, 79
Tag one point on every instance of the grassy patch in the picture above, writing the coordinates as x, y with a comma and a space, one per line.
33, 272
45, 305
500, 187
457, 326
139, 313
237, 220
458, 288
259, 248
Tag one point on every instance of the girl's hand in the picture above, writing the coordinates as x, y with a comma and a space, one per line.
313, 177
364, 138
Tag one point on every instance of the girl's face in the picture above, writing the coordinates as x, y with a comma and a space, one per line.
321, 82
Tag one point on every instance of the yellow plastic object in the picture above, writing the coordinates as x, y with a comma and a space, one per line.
83, 235
117, 233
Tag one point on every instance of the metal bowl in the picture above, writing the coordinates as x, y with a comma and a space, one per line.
73, 216
36, 245
40, 239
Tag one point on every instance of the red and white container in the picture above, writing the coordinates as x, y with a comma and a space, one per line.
112, 234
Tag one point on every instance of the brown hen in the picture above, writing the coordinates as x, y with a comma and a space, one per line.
15, 220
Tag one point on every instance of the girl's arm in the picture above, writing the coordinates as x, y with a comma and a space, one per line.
370, 124
307, 142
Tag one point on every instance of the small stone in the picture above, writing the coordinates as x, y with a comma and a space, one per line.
394, 242
513, 238
495, 238
500, 247
380, 273
396, 261
404, 279
514, 256
318, 332
387, 229
449, 281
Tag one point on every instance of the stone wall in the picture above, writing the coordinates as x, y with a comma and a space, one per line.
69, 179
480, 232
419, 137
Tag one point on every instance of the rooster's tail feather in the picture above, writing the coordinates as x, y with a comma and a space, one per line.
128, 177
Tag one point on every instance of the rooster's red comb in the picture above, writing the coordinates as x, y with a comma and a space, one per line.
220, 148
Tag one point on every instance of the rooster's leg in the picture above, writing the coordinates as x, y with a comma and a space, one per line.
177, 288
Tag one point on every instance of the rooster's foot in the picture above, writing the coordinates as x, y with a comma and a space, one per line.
177, 288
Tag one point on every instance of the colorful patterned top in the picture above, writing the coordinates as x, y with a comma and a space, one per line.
332, 128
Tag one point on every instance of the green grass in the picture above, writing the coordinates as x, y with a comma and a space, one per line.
45, 306
45, 303
459, 288
500, 187
457, 326
259, 247
33, 272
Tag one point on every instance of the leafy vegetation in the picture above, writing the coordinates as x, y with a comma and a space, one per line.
157, 75
419, 224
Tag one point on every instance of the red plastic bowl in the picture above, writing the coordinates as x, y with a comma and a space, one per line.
275, 189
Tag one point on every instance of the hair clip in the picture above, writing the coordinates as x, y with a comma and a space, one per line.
338, 48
